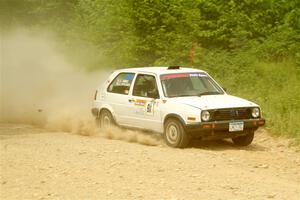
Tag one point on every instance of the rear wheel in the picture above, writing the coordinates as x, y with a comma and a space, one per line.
106, 119
175, 135
244, 140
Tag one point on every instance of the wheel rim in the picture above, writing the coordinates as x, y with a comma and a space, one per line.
105, 122
172, 133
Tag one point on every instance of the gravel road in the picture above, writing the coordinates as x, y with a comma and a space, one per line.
39, 164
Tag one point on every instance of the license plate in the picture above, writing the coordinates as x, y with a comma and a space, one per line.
236, 126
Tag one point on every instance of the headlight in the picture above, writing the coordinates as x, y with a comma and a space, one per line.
255, 112
205, 115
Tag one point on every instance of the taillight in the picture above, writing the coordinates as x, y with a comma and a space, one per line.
95, 97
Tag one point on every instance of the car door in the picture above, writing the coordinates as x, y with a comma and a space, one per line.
145, 103
117, 96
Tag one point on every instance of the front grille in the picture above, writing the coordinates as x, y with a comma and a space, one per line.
230, 114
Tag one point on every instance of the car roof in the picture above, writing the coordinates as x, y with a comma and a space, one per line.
160, 70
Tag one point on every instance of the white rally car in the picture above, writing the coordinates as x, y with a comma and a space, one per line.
181, 103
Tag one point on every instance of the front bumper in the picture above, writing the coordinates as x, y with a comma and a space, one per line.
220, 129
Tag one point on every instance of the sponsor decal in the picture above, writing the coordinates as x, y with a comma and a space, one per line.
139, 102
129, 77
198, 75
170, 76
124, 82
144, 107
149, 108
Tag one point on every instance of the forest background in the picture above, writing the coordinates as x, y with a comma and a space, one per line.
252, 47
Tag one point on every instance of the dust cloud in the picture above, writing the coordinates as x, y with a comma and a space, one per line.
40, 87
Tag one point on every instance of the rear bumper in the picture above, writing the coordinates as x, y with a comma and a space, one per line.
220, 129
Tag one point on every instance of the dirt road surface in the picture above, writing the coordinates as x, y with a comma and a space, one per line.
38, 164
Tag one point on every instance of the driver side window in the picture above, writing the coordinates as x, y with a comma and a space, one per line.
145, 86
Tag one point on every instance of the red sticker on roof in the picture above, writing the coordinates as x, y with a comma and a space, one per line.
170, 76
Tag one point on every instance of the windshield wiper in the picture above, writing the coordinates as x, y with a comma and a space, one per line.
208, 93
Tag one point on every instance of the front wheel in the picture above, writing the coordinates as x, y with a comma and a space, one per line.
175, 135
244, 140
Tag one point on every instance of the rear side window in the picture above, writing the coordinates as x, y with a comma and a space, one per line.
121, 84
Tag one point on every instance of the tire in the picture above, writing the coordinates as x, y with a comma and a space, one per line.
106, 120
244, 140
97, 122
175, 135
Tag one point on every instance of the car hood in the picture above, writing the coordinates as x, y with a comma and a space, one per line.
214, 101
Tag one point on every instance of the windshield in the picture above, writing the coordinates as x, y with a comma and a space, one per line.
189, 84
